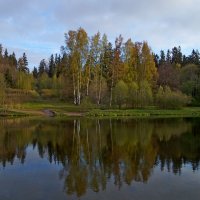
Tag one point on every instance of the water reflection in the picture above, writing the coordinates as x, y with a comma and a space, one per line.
95, 152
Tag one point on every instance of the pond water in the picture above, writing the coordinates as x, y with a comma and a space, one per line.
99, 159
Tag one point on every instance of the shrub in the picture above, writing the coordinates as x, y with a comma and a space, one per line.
133, 94
120, 93
87, 103
165, 98
145, 96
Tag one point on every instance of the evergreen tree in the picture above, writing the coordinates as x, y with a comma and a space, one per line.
42, 67
6, 53
8, 78
177, 56
194, 57
25, 60
1, 50
162, 58
13, 60
156, 60
168, 56
35, 73
23, 64
52, 67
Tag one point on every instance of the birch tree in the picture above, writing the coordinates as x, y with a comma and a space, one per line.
77, 47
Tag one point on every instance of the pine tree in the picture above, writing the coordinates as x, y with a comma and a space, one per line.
156, 60
6, 53
25, 60
1, 50
13, 60
42, 67
168, 57
23, 64
194, 58
52, 67
35, 73
177, 57
162, 58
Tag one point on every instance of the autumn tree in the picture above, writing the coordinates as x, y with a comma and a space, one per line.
2, 90
77, 46
169, 75
115, 70
130, 62
95, 68
147, 71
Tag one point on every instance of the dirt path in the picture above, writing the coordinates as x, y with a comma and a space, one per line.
28, 112
47, 113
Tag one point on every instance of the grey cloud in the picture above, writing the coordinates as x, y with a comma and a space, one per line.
43, 22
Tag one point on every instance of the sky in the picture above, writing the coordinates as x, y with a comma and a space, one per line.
37, 27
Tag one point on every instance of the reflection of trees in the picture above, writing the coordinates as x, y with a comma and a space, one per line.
95, 151
14, 140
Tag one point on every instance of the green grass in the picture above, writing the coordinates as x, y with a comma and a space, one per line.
9, 113
185, 112
66, 109
55, 106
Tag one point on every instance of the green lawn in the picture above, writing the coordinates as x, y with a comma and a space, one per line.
147, 112
66, 109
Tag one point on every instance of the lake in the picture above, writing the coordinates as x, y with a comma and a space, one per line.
99, 159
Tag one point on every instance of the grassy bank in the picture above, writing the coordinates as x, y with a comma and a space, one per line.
148, 112
12, 113
42, 108
64, 109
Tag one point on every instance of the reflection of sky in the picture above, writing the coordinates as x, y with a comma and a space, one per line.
38, 179
37, 27
35, 179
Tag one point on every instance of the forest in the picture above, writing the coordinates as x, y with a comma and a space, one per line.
92, 70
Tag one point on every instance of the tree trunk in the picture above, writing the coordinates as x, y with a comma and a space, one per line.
78, 90
100, 89
74, 90
111, 93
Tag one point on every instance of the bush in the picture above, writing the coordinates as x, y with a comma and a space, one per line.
133, 94
167, 99
120, 93
145, 97
86, 103
49, 93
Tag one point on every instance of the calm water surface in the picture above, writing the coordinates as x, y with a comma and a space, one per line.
48, 159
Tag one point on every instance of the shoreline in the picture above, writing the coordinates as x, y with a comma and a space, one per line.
106, 113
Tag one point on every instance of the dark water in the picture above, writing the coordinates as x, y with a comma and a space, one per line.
100, 159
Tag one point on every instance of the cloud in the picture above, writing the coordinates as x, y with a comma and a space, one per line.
38, 27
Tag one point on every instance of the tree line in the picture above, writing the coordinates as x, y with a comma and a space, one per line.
93, 70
